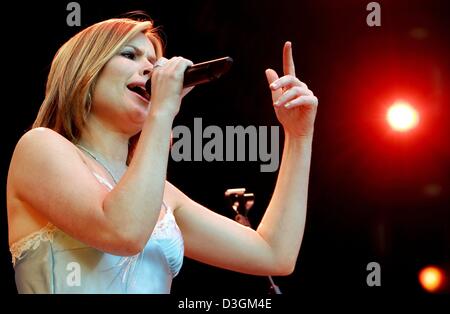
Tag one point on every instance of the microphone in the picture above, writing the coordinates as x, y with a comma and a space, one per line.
201, 73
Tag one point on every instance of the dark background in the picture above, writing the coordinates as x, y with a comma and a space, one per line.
375, 195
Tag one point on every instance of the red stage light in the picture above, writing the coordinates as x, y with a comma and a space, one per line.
432, 278
402, 117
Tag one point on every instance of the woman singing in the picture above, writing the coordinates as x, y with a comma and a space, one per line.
89, 206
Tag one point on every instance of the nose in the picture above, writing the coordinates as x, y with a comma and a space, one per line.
146, 68
146, 72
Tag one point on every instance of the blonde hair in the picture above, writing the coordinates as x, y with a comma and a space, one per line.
75, 69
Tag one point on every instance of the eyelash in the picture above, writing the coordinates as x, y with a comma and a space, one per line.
129, 55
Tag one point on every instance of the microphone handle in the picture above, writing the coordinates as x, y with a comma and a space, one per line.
201, 73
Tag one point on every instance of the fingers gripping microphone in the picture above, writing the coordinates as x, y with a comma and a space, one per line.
202, 72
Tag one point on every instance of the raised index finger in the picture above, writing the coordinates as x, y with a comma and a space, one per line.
288, 61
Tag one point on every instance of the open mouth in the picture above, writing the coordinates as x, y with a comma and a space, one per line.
140, 90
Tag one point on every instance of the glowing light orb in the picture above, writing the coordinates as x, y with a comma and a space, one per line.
431, 278
402, 117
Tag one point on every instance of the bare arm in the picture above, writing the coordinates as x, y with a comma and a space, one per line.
273, 248
48, 175
295, 106
283, 224
135, 202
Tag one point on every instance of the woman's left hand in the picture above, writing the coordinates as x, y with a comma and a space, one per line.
295, 105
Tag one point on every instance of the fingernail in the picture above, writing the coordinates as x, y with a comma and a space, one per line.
274, 85
277, 103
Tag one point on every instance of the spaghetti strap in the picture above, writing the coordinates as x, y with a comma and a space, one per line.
167, 208
102, 180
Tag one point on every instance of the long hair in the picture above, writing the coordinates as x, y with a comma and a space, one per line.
75, 69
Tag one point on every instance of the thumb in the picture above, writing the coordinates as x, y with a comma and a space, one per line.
272, 76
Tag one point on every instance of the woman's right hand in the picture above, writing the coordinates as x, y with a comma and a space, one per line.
167, 85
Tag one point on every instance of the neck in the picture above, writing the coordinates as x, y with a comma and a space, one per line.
109, 144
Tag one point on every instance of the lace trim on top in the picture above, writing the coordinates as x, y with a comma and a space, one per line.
31, 241
164, 228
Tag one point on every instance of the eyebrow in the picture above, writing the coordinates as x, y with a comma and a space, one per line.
141, 52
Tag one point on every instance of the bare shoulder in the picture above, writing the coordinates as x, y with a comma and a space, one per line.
38, 139
41, 166
35, 150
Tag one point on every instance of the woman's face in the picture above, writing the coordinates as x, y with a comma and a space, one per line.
119, 98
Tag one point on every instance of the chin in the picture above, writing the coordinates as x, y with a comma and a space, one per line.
136, 114
138, 119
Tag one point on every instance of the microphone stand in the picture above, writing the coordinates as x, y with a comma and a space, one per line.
241, 203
